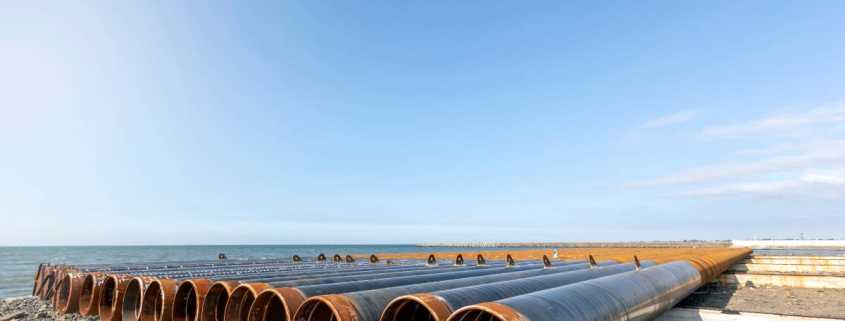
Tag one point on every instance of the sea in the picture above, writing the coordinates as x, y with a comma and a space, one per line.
19, 264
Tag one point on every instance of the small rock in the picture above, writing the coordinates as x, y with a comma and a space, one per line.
15, 315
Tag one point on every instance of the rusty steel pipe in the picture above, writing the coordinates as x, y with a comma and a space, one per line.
218, 296
68, 294
89, 297
268, 302
189, 299
133, 298
368, 305
157, 304
632, 296
189, 303
110, 302
214, 305
438, 305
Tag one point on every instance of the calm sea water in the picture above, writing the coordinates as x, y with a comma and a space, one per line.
18, 264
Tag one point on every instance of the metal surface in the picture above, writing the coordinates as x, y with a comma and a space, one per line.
632, 296
267, 303
368, 305
439, 304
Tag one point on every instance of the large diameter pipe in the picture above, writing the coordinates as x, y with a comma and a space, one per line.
368, 305
218, 293
633, 296
158, 300
68, 294
242, 297
281, 303
133, 298
89, 297
111, 298
243, 294
189, 298
438, 305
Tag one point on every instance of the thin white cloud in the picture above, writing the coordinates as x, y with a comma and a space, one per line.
819, 184
781, 124
834, 156
673, 119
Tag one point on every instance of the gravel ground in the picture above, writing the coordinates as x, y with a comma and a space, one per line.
32, 309
820, 303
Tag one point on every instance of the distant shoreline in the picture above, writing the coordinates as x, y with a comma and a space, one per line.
656, 244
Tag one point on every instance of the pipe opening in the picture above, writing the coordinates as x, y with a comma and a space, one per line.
275, 310
408, 309
459, 260
107, 296
151, 309
431, 260
64, 293
337, 258
296, 258
237, 308
349, 259
546, 262
184, 304
321, 257
373, 258
131, 310
88, 295
214, 305
510, 260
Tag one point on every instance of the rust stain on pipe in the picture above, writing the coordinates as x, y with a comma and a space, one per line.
189, 299
214, 305
279, 304
241, 300
157, 304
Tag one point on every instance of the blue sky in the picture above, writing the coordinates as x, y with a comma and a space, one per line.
384, 122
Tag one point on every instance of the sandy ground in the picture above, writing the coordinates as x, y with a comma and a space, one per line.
820, 303
32, 309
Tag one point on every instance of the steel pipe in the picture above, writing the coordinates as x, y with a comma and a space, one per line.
133, 297
111, 298
158, 300
368, 305
281, 303
68, 294
218, 295
631, 296
438, 305
89, 297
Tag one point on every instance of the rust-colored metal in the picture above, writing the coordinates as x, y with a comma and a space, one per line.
241, 300
133, 297
500, 311
214, 305
68, 294
89, 298
278, 304
327, 307
438, 307
111, 297
157, 304
190, 296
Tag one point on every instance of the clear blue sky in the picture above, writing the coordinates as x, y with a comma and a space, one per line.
143, 122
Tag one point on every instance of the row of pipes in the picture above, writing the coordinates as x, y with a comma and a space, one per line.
572, 285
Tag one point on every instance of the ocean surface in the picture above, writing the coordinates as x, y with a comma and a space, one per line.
19, 264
